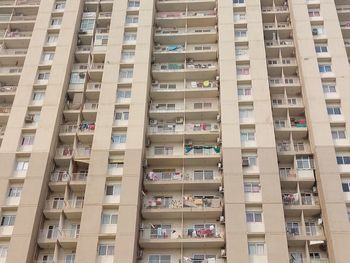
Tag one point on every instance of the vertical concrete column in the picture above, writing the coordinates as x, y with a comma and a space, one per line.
334, 212
96, 180
273, 214
236, 231
22, 245
128, 222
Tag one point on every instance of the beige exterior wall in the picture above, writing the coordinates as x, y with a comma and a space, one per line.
167, 216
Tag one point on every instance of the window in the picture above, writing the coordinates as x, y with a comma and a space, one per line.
122, 116
202, 258
338, 134
241, 51
305, 162
126, 73
159, 259
118, 138
43, 75
244, 91
239, 16
249, 160
47, 56
134, 3
317, 31
22, 165
163, 150
203, 175
123, 93
56, 21
314, 12
329, 88
52, 39
333, 110
69, 258
101, 40
60, 6
87, 24
253, 216
256, 248
8, 220
252, 187
132, 19
247, 136
343, 159
106, 250
243, 70
128, 54
38, 95
324, 68
3, 251
27, 139
346, 187
315, 256
113, 189
240, 33
321, 48
14, 192
109, 219
130, 36
238, 1
77, 78
245, 113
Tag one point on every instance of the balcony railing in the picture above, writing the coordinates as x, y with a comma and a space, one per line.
83, 152
271, 9
187, 201
189, 30
4, 51
307, 230
90, 106
171, 67
15, 34
184, 14
294, 199
28, 2
279, 43
202, 150
66, 151
200, 85
5, 89
180, 177
5, 109
23, 18
60, 176
68, 128
10, 70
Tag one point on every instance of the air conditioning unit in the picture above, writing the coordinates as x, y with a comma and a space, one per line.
97, 86
245, 162
222, 219
81, 75
220, 166
314, 31
218, 117
221, 189
153, 122
223, 252
319, 221
179, 120
29, 118
140, 254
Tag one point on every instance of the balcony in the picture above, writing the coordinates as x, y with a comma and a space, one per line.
197, 89
18, 34
175, 236
293, 175
275, 9
307, 232
28, 2
175, 180
189, 18
181, 34
282, 43
10, 70
294, 200
179, 52
186, 205
13, 52
5, 109
292, 148
82, 152
285, 102
277, 26
7, 89
191, 70
284, 82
